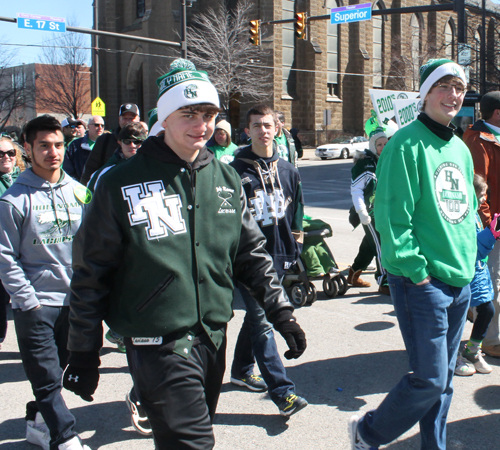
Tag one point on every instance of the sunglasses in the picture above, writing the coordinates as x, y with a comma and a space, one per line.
132, 141
10, 153
100, 125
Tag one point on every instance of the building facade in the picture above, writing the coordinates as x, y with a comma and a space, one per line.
328, 74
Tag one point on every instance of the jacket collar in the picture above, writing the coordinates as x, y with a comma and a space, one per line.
484, 132
155, 147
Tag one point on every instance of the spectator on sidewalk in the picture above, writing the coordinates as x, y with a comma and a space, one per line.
470, 360
108, 142
11, 166
39, 216
79, 149
483, 140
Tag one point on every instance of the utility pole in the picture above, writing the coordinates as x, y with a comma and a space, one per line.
482, 87
95, 54
184, 29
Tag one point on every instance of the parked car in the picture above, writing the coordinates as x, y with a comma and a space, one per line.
342, 147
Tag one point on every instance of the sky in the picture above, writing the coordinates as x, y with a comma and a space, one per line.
80, 10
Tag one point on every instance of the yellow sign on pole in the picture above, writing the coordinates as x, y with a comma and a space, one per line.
98, 107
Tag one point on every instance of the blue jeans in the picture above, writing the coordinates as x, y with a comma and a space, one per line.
431, 319
42, 336
256, 342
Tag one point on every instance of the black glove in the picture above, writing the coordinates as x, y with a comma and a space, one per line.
82, 374
82, 381
285, 324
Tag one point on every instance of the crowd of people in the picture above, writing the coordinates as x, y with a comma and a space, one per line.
117, 227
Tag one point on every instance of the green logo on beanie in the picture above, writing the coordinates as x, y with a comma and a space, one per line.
191, 91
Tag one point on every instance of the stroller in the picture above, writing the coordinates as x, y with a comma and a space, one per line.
315, 263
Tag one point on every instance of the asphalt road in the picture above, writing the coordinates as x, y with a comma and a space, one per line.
355, 355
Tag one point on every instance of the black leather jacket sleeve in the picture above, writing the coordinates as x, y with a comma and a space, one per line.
254, 267
97, 253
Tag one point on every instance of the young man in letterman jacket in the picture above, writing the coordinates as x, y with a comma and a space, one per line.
176, 222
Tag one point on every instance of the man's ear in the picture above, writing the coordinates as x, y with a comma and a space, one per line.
247, 131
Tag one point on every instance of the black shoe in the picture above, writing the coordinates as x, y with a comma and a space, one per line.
292, 404
252, 382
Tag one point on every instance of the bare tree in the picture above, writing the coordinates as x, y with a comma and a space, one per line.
64, 81
218, 42
16, 91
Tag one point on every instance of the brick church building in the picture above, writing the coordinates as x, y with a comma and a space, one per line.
332, 70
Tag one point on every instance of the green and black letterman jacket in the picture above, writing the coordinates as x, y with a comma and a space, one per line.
158, 250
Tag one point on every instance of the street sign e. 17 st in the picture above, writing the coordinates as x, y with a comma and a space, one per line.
42, 23
351, 13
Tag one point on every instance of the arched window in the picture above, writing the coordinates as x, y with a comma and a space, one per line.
332, 52
378, 48
449, 39
416, 48
288, 43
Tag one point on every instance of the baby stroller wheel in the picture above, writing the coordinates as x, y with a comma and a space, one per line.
298, 294
312, 295
330, 287
342, 282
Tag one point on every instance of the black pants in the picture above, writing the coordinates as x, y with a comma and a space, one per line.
179, 395
485, 313
4, 301
368, 249
42, 336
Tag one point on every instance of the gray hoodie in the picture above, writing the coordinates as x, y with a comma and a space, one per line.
38, 221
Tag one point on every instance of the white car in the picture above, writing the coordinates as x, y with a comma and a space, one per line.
343, 147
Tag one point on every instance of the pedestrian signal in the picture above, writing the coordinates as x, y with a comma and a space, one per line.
254, 32
300, 25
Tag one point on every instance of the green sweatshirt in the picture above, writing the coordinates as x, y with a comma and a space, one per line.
224, 154
425, 205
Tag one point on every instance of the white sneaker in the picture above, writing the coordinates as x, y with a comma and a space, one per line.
73, 444
481, 365
477, 359
357, 442
37, 432
464, 368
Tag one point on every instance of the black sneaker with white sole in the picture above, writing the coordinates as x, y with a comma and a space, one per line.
138, 417
291, 405
252, 382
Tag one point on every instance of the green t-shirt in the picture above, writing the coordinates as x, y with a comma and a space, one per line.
224, 154
282, 145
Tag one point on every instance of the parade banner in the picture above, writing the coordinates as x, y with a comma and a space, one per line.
406, 111
383, 102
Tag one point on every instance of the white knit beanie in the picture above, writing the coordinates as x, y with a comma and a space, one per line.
377, 133
224, 125
184, 86
435, 69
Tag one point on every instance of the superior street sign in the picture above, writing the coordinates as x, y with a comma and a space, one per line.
352, 13
42, 23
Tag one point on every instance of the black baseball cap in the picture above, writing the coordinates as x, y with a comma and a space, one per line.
129, 107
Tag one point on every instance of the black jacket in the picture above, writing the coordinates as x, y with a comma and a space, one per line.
104, 148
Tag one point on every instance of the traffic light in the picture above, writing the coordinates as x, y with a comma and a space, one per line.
254, 32
300, 25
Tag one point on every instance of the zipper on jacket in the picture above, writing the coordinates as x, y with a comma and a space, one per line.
159, 289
